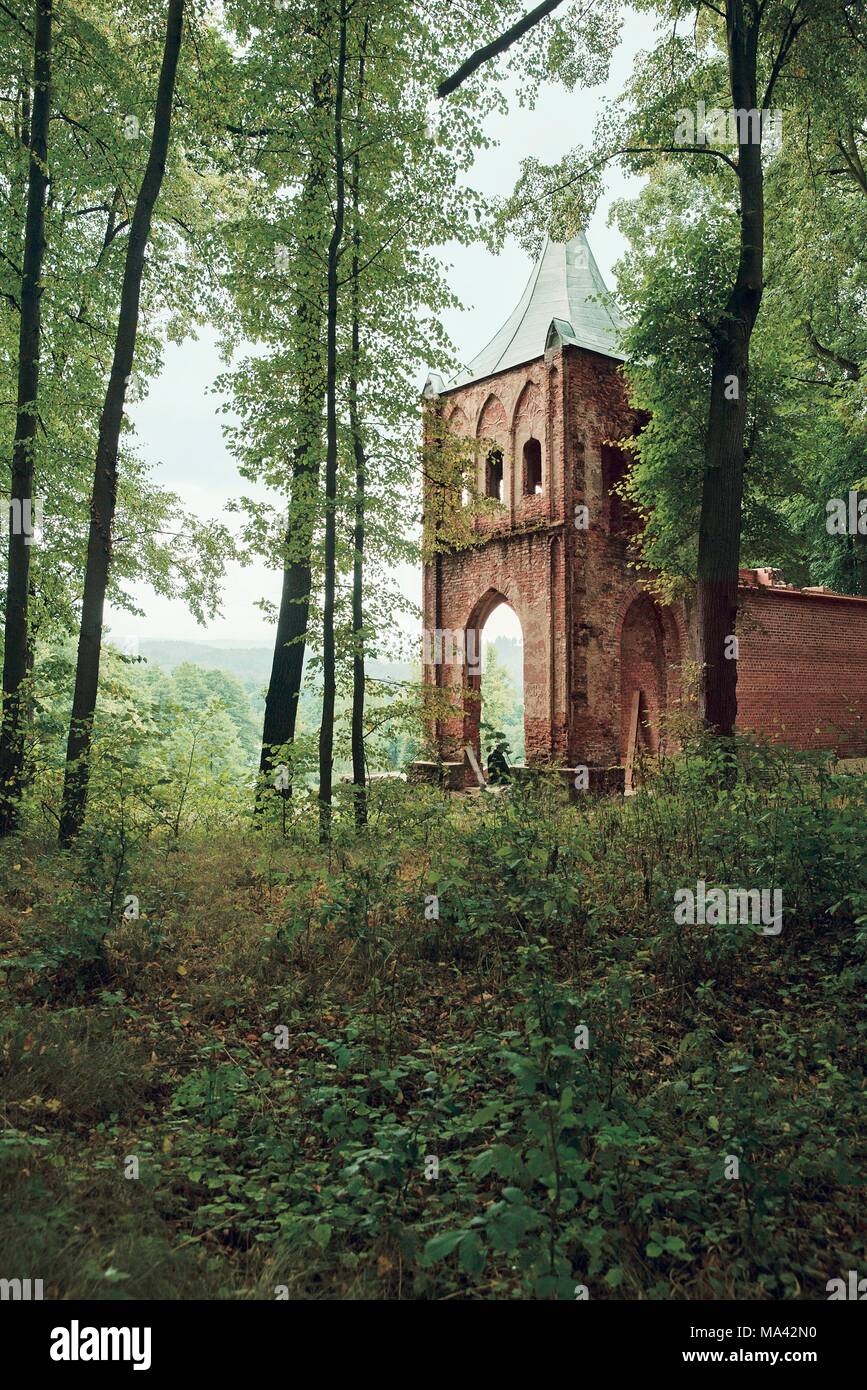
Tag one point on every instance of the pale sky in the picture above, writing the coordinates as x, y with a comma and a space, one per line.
179, 426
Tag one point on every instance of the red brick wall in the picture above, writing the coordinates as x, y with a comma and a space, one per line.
521, 561
802, 669
566, 585
520, 570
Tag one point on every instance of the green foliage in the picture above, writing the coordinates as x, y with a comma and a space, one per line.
105, 66
172, 753
502, 710
68, 952
317, 1040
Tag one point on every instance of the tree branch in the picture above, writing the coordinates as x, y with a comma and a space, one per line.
631, 149
790, 33
854, 165
850, 369
496, 47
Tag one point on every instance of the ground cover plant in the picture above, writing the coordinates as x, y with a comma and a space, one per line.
464, 1051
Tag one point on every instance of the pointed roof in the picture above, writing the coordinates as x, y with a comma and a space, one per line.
566, 299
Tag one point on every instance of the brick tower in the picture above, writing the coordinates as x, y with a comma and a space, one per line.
548, 392
602, 658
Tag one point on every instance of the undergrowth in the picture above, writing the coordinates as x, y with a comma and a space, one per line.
466, 1052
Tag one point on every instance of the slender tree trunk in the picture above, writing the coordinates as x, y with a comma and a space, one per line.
359, 768
719, 539
16, 654
326, 731
104, 495
722, 493
287, 666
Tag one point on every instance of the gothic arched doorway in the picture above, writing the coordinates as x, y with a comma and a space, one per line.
494, 703
643, 678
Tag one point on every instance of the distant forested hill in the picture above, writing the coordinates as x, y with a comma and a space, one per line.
251, 662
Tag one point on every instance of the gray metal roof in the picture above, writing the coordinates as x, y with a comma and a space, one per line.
567, 287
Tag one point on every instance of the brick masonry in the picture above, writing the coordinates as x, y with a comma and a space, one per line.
802, 668
593, 633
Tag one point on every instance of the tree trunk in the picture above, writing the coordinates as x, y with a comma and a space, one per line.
287, 666
719, 536
359, 768
104, 495
326, 730
16, 654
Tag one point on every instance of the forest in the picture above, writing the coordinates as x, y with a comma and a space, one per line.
282, 1018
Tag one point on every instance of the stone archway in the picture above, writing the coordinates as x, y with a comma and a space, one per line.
649, 653
642, 675
486, 605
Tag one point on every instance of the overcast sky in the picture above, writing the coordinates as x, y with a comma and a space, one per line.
179, 425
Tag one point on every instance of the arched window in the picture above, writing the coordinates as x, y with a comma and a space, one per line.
494, 474
532, 468
615, 464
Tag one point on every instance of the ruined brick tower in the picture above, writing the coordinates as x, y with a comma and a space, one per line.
602, 658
